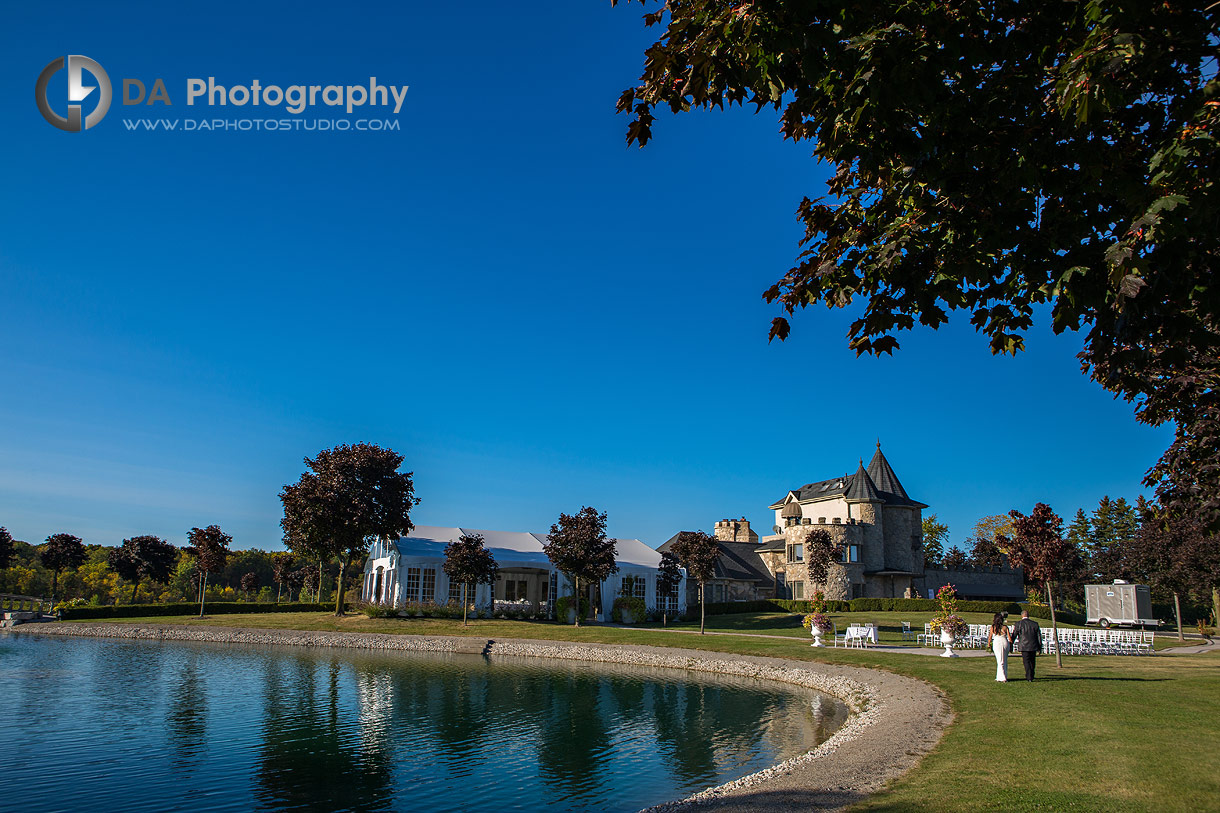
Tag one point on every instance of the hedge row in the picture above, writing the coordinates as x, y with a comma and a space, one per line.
189, 608
875, 605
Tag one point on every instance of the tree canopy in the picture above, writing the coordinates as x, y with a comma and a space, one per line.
697, 551
6, 547
935, 540
350, 496
143, 557
210, 547
62, 552
468, 563
669, 576
1038, 547
1005, 159
578, 546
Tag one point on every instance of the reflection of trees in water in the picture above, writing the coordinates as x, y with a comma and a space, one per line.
684, 731
186, 719
313, 756
573, 711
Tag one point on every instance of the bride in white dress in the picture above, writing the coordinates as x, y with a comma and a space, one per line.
999, 639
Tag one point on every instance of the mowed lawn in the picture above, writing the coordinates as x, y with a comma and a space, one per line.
1102, 733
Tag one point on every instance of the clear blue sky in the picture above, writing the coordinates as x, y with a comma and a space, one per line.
537, 316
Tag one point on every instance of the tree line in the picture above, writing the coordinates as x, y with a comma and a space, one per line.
1178, 559
148, 569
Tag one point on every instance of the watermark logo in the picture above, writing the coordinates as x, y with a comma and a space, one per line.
77, 93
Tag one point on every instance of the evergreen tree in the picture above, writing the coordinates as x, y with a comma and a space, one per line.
1113, 528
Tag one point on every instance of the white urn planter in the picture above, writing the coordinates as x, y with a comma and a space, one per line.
817, 634
946, 638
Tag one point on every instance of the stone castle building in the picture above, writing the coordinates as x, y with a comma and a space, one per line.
877, 527
872, 519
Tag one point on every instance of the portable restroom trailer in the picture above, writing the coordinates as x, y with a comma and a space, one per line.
1119, 604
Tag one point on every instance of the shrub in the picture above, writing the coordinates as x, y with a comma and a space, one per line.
564, 603
378, 611
633, 604
187, 608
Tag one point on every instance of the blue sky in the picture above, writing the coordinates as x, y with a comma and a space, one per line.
535, 315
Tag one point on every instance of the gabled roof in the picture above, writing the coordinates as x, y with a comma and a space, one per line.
737, 560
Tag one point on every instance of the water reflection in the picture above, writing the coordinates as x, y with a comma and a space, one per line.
313, 755
285, 729
186, 721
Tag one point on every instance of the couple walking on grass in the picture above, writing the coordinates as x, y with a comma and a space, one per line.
1028, 637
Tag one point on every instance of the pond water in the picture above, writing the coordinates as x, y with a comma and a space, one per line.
152, 726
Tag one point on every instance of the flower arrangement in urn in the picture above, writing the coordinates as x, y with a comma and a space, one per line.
946, 621
817, 622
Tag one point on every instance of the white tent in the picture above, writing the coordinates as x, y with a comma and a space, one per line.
410, 570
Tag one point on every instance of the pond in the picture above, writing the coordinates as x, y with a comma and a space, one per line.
94, 724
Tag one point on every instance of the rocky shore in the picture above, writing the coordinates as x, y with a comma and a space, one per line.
894, 720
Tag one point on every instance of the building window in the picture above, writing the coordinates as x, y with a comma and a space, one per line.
798, 590
850, 553
514, 589
412, 593
552, 591
455, 591
633, 586
796, 553
429, 593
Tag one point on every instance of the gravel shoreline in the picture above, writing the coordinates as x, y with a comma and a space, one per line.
894, 720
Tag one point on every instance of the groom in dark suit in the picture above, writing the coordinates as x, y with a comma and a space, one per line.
1029, 642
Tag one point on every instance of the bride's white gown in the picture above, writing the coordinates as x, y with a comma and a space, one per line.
999, 645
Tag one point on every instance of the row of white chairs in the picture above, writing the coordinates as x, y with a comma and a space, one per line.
975, 638
1071, 641
1099, 642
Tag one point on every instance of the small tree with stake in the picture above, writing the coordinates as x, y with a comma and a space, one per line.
249, 583
143, 557
669, 576
281, 566
63, 552
697, 552
210, 547
578, 546
468, 563
1038, 546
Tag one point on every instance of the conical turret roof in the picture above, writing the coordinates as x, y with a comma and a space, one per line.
883, 475
861, 488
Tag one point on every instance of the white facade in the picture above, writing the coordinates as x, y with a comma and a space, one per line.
410, 569
831, 509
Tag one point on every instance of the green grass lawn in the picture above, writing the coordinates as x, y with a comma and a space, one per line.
1102, 733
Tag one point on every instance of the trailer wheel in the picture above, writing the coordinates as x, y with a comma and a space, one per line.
1104, 623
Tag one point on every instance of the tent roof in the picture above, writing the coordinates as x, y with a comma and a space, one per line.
513, 548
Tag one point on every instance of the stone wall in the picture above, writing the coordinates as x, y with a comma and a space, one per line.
901, 529
973, 581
